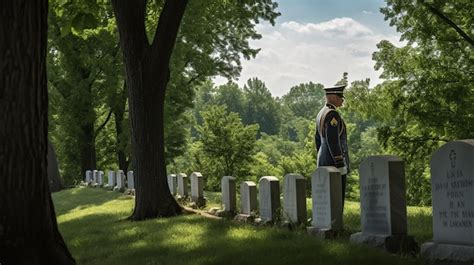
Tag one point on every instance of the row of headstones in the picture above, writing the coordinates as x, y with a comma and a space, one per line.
382, 203
382, 195
178, 185
116, 179
326, 198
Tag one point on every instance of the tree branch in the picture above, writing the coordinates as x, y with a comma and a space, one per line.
105, 123
194, 78
450, 22
130, 16
167, 29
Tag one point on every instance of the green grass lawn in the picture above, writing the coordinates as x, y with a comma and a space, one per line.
92, 221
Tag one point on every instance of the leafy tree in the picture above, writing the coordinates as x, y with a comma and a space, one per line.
148, 73
261, 107
231, 96
294, 128
85, 81
29, 233
261, 166
303, 160
305, 100
205, 93
428, 96
226, 141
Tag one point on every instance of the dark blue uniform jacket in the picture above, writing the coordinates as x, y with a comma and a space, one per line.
331, 138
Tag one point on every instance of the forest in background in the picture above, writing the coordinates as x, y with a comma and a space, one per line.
426, 99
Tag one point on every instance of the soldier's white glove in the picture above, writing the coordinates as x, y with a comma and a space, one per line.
343, 170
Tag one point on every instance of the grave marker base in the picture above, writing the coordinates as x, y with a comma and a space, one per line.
322, 233
392, 243
119, 189
451, 254
129, 192
247, 218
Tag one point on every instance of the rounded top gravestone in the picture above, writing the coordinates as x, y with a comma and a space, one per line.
452, 177
269, 188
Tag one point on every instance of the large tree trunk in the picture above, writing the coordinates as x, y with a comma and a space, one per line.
148, 72
28, 228
119, 113
88, 155
87, 133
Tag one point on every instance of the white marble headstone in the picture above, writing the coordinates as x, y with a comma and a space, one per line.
172, 183
228, 193
89, 176
120, 179
197, 192
294, 198
111, 179
269, 188
182, 185
326, 190
100, 178
95, 176
248, 197
382, 196
452, 179
130, 180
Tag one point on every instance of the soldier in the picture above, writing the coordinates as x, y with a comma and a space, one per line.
331, 135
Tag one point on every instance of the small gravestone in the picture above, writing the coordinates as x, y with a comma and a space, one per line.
197, 192
130, 180
120, 181
294, 198
229, 200
89, 176
172, 183
248, 197
326, 190
452, 188
269, 189
100, 179
182, 185
111, 179
383, 205
95, 176
248, 200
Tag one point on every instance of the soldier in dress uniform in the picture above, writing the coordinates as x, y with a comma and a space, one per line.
331, 135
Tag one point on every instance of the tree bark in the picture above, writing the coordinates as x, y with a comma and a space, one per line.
87, 144
119, 113
148, 73
28, 228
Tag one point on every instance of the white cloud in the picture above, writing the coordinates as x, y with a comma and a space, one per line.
367, 12
294, 53
338, 27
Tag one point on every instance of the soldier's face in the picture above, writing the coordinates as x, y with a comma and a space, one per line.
338, 101
335, 100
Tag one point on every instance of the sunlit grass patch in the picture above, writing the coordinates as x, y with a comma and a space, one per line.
93, 223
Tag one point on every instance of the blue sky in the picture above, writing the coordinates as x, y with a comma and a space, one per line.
316, 11
316, 40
